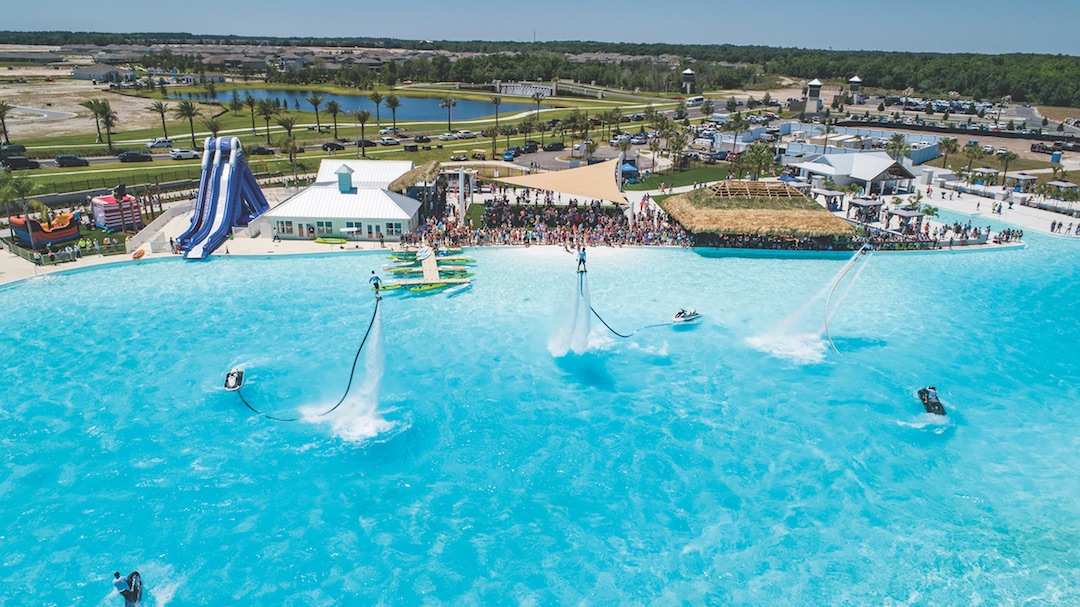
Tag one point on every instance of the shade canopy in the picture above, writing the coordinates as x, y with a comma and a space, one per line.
596, 181
629, 168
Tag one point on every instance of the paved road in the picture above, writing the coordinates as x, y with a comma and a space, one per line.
42, 115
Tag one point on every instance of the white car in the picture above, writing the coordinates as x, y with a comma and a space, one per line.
447, 137
389, 141
388, 131
466, 135
159, 143
183, 154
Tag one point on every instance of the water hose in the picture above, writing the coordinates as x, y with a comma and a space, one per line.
352, 373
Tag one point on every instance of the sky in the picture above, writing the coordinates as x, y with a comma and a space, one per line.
983, 26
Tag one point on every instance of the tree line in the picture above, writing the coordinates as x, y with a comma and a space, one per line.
1037, 78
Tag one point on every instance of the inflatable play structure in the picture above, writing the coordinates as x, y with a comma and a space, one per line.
117, 212
228, 197
31, 233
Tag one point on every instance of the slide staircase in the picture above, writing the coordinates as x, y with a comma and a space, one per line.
228, 197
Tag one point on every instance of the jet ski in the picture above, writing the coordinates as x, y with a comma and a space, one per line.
930, 401
234, 380
133, 595
685, 316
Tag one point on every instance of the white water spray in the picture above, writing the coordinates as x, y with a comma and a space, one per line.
572, 332
357, 419
790, 339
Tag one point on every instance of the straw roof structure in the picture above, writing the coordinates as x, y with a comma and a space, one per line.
753, 207
425, 173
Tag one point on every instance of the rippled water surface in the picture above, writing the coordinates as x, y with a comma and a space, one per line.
495, 450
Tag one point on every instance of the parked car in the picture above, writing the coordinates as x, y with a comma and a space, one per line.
639, 140
515, 150
422, 139
260, 151
135, 157
183, 154
388, 131
12, 149
71, 160
447, 137
389, 141
159, 142
19, 162
463, 134
332, 146
554, 146
1001, 151
529, 148
366, 143
508, 156
989, 149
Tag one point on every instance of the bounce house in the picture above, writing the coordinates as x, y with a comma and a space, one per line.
115, 213
32, 233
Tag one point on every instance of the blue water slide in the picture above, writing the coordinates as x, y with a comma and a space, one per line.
254, 203
213, 205
209, 166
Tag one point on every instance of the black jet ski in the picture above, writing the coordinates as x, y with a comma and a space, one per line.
930, 401
133, 595
234, 380
685, 316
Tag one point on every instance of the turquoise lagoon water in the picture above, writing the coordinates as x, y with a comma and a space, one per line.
737, 462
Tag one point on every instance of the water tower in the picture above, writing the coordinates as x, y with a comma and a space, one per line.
689, 84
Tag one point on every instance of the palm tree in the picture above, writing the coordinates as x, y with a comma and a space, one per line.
5, 107
829, 130
448, 103
706, 109
333, 109
655, 146
159, 107
267, 109
1007, 158
94, 105
538, 97
930, 210
316, 100
362, 117
376, 98
251, 104
211, 124
109, 120
973, 152
897, 146
287, 123
393, 103
495, 101
289, 147
908, 92
507, 130
736, 124
590, 149
187, 110
948, 145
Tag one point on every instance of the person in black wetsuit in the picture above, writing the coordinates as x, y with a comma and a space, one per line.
581, 259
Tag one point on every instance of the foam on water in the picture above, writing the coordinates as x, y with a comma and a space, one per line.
573, 330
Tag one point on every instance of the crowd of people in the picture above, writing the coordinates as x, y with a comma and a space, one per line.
1059, 227
533, 217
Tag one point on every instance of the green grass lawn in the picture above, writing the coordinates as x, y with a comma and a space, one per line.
689, 177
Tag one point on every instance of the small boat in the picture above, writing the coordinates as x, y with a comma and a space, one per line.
930, 400
138, 254
388, 287
324, 240
234, 380
686, 316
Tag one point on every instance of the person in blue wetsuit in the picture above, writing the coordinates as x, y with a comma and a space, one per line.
375, 280
581, 259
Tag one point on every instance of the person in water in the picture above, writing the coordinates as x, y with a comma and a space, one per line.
931, 393
125, 591
375, 280
581, 259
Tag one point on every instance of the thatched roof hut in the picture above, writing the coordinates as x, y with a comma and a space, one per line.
425, 173
753, 207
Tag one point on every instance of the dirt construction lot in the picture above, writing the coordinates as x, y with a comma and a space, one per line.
64, 95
